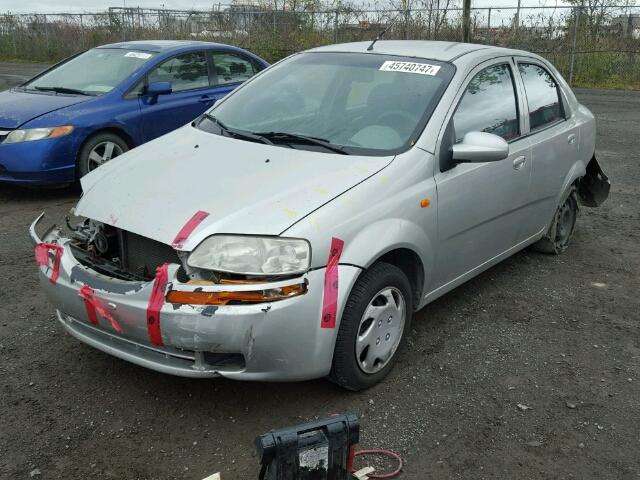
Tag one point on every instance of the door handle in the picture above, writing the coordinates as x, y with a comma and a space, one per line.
519, 162
571, 139
206, 99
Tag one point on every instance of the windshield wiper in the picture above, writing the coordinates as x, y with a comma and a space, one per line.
73, 91
285, 137
237, 133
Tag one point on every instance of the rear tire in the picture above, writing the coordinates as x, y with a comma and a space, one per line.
557, 238
374, 325
98, 149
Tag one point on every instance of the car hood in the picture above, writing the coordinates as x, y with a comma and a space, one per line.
17, 107
244, 187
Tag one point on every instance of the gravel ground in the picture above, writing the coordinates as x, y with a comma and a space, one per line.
531, 370
14, 73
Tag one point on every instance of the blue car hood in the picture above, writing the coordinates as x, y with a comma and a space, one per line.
17, 108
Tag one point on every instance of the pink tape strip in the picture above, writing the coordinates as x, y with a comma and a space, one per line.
86, 293
189, 227
156, 300
95, 307
42, 258
330, 295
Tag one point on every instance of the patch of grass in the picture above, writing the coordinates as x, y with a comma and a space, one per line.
10, 59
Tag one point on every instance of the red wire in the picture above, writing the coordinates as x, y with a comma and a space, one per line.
383, 452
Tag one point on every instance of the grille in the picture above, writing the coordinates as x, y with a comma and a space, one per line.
141, 256
222, 360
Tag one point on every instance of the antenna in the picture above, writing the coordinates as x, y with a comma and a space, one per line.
381, 34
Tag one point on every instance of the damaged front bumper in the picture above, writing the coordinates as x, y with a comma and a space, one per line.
276, 341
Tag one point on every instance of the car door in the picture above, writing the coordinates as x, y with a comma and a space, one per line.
553, 134
480, 205
189, 76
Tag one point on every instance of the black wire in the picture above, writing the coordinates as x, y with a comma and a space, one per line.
263, 471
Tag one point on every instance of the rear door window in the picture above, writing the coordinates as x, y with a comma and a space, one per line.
489, 105
542, 96
184, 72
232, 68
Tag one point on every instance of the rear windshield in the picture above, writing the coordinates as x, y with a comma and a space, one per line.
364, 103
93, 72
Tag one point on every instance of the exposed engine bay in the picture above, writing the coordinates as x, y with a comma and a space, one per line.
125, 255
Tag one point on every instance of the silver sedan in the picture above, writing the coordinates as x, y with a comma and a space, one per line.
292, 231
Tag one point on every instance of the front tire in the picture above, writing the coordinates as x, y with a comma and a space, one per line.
557, 238
98, 149
373, 328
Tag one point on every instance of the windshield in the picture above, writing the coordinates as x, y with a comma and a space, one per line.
363, 103
93, 72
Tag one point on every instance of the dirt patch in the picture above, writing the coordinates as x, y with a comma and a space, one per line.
559, 335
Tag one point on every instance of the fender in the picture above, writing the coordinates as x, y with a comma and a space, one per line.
384, 236
577, 171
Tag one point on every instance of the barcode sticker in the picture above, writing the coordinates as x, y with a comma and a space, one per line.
409, 67
142, 55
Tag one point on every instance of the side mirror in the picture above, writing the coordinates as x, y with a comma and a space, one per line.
158, 88
479, 147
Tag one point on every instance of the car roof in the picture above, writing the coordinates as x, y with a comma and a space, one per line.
164, 45
433, 50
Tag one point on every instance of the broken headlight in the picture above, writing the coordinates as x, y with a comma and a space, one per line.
249, 255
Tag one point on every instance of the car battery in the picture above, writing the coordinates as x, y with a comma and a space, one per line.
317, 450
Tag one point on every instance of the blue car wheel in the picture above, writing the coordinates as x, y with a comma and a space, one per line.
99, 149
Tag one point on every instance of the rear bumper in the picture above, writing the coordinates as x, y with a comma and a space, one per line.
277, 341
594, 186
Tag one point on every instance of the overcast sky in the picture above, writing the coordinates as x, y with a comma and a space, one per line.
18, 6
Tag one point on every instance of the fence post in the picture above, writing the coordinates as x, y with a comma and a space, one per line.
631, 55
573, 45
82, 32
15, 38
466, 20
335, 27
407, 17
46, 31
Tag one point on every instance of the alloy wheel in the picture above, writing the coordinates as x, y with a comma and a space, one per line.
101, 153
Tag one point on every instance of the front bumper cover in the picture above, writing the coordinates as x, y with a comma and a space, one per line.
276, 341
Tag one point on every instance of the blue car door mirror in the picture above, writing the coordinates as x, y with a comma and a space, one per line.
159, 88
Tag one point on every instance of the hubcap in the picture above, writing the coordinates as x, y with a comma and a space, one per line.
566, 218
380, 330
101, 153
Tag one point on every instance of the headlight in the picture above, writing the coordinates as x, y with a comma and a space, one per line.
248, 255
30, 134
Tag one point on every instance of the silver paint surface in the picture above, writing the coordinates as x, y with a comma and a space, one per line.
478, 215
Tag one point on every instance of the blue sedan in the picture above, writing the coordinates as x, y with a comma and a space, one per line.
97, 105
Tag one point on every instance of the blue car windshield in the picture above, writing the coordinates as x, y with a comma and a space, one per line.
353, 103
93, 72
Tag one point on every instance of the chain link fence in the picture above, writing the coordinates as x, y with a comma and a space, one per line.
593, 47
